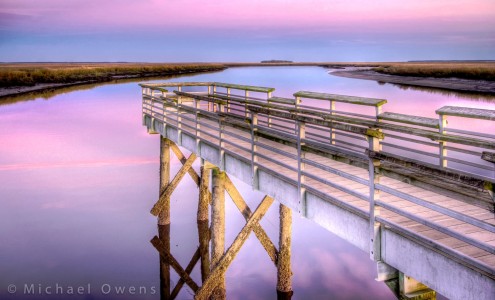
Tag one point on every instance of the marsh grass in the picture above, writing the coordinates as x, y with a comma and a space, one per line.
477, 71
31, 74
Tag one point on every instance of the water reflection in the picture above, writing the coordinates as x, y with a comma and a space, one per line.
49, 93
82, 163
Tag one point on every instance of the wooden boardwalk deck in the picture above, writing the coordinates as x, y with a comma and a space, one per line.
302, 148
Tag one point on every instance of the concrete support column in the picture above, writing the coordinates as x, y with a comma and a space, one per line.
164, 217
218, 229
284, 272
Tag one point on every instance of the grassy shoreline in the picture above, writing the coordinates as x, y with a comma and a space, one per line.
466, 70
31, 74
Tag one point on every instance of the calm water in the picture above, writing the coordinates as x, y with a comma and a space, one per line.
79, 175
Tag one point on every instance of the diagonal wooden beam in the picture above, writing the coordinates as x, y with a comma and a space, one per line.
188, 270
231, 253
158, 244
260, 233
182, 159
191, 171
157, 208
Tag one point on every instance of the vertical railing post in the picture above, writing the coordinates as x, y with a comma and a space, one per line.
197, 106
151, 112
442, 125
374, 196
269, 118
213, 103
297, 102
164, 113
332, 132
301, 135
228, 100
179, 118
246, 111
221, 144
210, 88
254, 149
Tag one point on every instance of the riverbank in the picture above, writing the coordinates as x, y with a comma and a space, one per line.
23, 78
453, 84
26, 78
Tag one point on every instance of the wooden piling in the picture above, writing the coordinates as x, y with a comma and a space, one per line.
203, 220
284, 272
218, 229
164, 217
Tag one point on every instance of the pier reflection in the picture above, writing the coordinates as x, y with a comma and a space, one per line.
212, 256
211, 239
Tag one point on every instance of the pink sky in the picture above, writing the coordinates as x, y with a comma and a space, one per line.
313, 22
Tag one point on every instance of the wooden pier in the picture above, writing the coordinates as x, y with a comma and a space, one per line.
414, 193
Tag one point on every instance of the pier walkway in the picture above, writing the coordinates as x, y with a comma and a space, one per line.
414, 193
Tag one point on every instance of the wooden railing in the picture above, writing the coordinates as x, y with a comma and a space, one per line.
246, 122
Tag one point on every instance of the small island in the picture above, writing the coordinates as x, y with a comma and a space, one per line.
277, 61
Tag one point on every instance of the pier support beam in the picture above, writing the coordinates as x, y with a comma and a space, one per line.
164, 217
284, 272
413, 289
203, 220
218, 230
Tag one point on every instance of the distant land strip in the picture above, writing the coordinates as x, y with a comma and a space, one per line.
446, 83
23, 78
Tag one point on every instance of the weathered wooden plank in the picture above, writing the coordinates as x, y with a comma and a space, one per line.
282, 100
488, 156
409, 119
341, 98
339, 126
467, 112
244, 87
173, 84
427, 170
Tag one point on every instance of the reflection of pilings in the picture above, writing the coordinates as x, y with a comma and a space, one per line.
218, 228
164, 217
218, 271
284, 272
203, 227
164, 236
